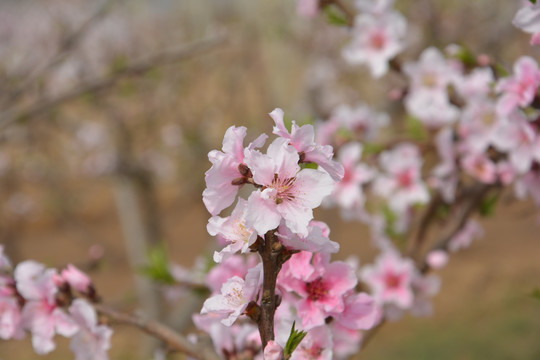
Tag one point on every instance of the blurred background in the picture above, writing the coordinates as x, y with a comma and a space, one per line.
107, 113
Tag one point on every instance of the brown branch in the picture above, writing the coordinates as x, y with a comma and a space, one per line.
98, 85
170, 337
478, 192
425, 224
269, 251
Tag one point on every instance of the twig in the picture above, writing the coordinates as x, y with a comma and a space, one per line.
136, 68
424, 226
479, 191
170, 337
271, 265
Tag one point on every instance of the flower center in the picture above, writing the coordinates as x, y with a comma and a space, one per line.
406, 178
236, 297
392, 280
316, 289
378, 40
284, 188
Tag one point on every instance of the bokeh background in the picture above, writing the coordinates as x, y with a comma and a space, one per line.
99, 179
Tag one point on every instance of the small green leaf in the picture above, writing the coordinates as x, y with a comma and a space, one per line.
501, 70
415, 128
309, 166
535, 294
158, 266
294, 340
532, 1
372, 148
488, 205
334, 16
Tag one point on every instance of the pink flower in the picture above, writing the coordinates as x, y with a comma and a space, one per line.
234, 265
321, 286
76, 279
432, 72
92, 341
437, 259
401, 184
315, 241
273, 351
307, 8
428, 99
361, 121
226, 167
431, 107
520, 139
10, 318
302, 138
348, 192
465, 236
506, 172
235, 296
376, 40
479, 166
287, 192
476, 85
233, 231
40, 314
528, 20
317, 345
229, 341
519, 89
479, 125
360, 312
390, 279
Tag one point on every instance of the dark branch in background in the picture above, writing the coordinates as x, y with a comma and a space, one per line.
170, 337
68, 43
139, 67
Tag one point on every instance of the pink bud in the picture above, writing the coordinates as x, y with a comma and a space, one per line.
76, 278
437, 259
273, 351
483, 60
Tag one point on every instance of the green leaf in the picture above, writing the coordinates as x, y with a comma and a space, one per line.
158, 266
415, 128
334, 16
532, 1
488, 205
535, 294
372, 148
501, 70
309, 166
295, 338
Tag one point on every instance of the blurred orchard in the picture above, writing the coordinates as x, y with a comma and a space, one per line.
234, 179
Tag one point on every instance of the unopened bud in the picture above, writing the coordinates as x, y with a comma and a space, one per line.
243, 169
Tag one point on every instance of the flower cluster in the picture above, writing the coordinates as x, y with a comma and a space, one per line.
41, 301
287, 182
378, 36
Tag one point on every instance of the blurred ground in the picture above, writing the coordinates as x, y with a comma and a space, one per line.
484, 310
